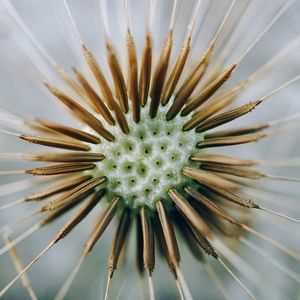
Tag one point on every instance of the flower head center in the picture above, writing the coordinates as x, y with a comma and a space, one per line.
144, 164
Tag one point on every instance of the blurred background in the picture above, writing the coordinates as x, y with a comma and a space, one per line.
22, 71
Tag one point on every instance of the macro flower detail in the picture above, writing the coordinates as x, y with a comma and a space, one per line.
148, 148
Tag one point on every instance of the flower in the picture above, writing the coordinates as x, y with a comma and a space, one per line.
150, 148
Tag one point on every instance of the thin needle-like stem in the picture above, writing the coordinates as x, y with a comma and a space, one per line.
236, 278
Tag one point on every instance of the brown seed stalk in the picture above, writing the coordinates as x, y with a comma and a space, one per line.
133, 76
59, 187
145, 72
117, 76
118, 242
176, 72
226, 117
70, 132
207, 92
230, 140
101, 225
107, 94
73, 194
169, 235
56, 143
189, 85
148, 241
94, 98
64, 157
188, 211
219, 159
81, 113
60, 169
160, 75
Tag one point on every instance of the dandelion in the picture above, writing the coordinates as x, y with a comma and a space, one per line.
151, 147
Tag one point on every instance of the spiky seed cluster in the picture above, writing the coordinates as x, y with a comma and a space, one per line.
142, 150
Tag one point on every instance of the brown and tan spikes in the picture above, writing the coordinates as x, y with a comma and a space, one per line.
72, 83
139, 246
133, 76
203, 242
189, 212
176, 72
101, 225
74, 133
148, 241
81, 113
56, 143
201, 97
118, 242
226, 216
60, 169
230, 140
60, 186
189, 85
203, 114
49, 218
106, 92
221, 119
160, 75
63, 157
118, 245
189, 238
145, 71
117, 76
235, 171
97, 231
238, 131
94, 98
169, 235
81, 214
62, 233
211, 206
73, 194
208, 178
222, 160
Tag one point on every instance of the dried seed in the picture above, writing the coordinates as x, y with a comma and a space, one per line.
61, 186
160, 75
56, 143
117, 76
107, 94
176, 72
207, 92
118, 242
81, 113
94, 98
101, 225
189, 85
71, 132
169, 235
188, 211
227, 116
230, 140
60, 169
133, 76
148, 241
221, 160
145, 72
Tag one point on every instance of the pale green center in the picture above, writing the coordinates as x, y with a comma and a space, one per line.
143, 165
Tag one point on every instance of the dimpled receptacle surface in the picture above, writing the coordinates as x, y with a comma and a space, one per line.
143, 165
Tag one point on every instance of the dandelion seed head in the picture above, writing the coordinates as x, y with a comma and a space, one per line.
154, 143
